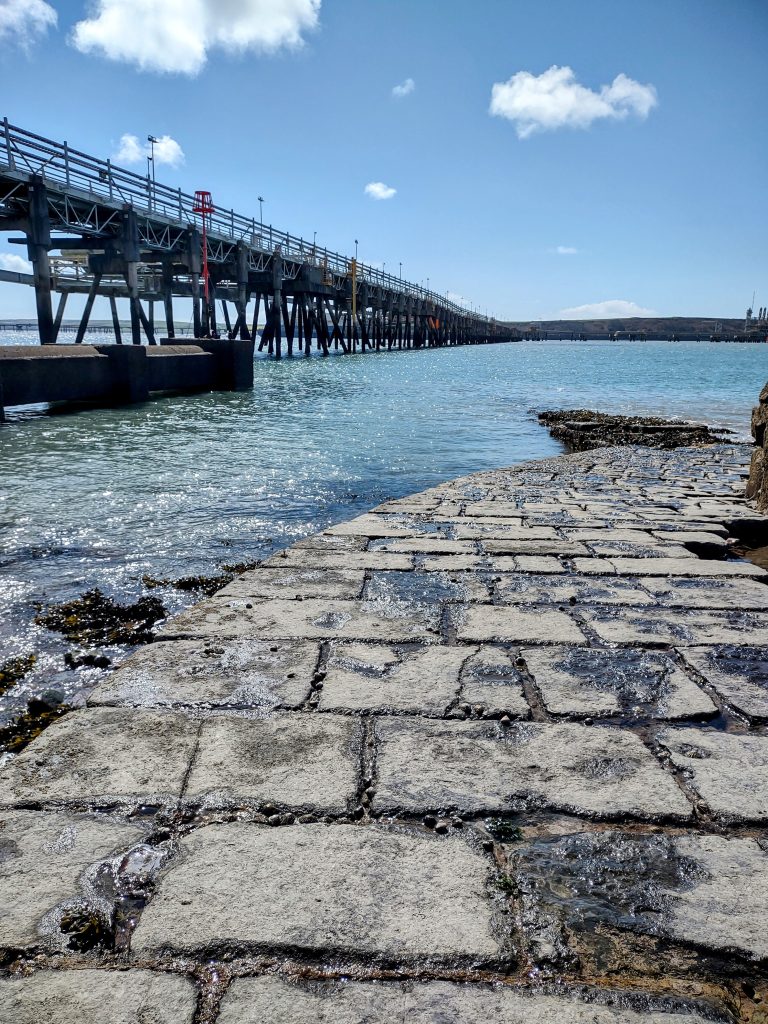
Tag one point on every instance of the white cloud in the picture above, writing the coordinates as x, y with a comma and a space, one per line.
23, 21
176, 35
131, 151
16, 264
378, 190
605, 310
554, 99
404, 89
566, 250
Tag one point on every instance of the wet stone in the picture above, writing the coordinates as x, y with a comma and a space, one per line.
532, 564
633, 684
104, 754
562, 548
611, 547
305, 762
729, 770
514, 531
315, 619
427, 588
485, 767
331, 888
705, 891
334, 584
493, 622
521, 588
662, 626
98, 997
683, 567
210, 673
307, 559
425, 546
492, 684
47, 862
364, 677
678, 592
256, 1000
370, 525
738, 674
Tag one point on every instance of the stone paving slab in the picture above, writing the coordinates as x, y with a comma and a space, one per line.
657, 626
307, 763
667, 567
468, 529
679, 592
262, 1000
730, 771
527, 588
494, 622
431, 588
213, 673
632, 684
314, 619
326, 888
45, 862
738, 674
488, 768
98, 997
427, 545
704, 891
303, 559
364, 677
104, 754
492, 686
562, 548
336, 584
611, 548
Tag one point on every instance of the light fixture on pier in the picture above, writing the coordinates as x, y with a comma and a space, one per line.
151, 158
261, 218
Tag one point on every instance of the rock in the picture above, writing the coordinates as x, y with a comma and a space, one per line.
757, 485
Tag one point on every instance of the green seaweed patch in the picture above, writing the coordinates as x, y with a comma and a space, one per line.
14, 669
27, 727
87, 930
504, 831
238, 568
95, 620
203, 584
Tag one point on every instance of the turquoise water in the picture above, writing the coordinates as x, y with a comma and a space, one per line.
182, 485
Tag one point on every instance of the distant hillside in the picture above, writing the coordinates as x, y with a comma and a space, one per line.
635, 325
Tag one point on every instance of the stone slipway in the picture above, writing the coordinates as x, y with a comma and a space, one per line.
495, 752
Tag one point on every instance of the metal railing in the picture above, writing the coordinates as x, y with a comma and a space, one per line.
25, 153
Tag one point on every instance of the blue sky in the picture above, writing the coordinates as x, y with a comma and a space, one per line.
639, 177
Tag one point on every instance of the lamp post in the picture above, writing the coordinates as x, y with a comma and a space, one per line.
261, 218
355, 250
401, 270
151, 158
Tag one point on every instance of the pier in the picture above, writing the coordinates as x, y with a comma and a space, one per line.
495, 750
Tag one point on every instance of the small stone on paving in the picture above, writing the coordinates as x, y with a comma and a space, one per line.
364, 677
336, 889
44, 860
484, 767
738, 674
256, 1000
495, 622
223, 673
98, 997
315, 619
104, 754
634, 684
729, 770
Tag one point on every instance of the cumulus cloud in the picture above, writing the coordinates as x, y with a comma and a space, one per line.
24, 21
16, 264
566, 250
554, 99
131, 151
404, 89
176, 35
605, 310
378, 190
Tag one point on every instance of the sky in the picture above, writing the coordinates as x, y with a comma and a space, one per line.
536, 158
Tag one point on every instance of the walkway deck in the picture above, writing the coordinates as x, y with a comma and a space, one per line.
510, 729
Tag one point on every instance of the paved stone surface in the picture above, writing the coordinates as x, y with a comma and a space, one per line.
339, 560
739, 674
632, 684
730, 771
658, 626
104, 754
98, 997
489, 768
262, 1000
338, 584
216, 673
667, 567
699, 593
492, 686
47, 862
364, 677
524, 588
491, 622
327, 888
307, 763
277, 620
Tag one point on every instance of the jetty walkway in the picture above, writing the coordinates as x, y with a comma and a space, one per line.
495, 752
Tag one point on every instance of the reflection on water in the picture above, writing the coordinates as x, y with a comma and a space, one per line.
183, 485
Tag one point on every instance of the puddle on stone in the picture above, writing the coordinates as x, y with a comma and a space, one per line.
423, 589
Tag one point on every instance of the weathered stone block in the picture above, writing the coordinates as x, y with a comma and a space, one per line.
525, 588
494, 622
679, 592
330, 888
477, 767
664, 626
332, 584
739, 674
492, 686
